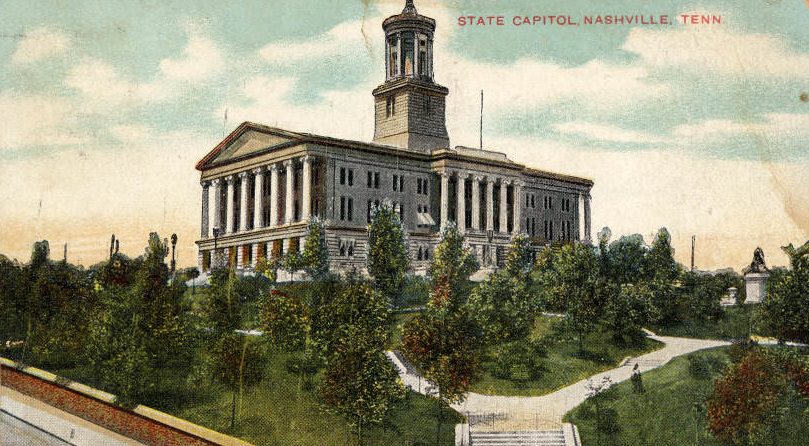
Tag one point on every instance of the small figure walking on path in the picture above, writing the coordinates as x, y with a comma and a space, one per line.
637, 381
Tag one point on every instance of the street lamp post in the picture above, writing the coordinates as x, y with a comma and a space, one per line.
215, 252
173, 247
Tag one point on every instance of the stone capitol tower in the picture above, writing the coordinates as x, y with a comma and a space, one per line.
409, 106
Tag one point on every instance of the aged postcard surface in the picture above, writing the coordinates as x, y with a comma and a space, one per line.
404, 222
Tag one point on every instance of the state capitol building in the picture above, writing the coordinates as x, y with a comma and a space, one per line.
261, 184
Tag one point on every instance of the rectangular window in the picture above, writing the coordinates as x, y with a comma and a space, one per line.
395, 182
401, 183
408, 48
424, 186
550, 231
370, 179
393, 55
390, 106
350, 177
546, 229
368, 216
376, 180
350, 209
418, 185
342, 175
342, 208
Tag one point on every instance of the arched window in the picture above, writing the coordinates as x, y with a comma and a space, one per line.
419, 256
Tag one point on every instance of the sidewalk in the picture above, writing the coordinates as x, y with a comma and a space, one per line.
514, 412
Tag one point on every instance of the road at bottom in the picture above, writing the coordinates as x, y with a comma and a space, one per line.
14, 432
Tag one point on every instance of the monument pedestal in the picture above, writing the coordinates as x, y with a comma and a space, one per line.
755, 285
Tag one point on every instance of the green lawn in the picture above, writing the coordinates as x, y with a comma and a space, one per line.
671, 411
283, 411
564, 364
734, 325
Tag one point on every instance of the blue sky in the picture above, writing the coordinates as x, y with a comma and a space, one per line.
107, 105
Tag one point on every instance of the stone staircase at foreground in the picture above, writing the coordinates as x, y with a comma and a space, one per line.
549, 437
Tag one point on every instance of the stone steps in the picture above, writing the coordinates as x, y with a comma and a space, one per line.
553, 437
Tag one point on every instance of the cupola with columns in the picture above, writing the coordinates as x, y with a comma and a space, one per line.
409, 106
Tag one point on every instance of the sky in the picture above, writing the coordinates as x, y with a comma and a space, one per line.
703, 129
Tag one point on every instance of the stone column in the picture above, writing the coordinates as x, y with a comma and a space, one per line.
517, 206
288, 214
444, 199
587, 218
489, 203
274, 195
213, 217
461, 210
476, 202
206, 210
503, 205
258, 198
306, 206
243, 202
231, 192
580, 222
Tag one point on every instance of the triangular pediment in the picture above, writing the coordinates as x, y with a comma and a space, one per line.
245, 141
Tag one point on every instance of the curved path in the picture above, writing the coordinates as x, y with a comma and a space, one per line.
514, 412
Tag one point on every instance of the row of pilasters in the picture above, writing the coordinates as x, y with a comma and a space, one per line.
490, 212
212, 202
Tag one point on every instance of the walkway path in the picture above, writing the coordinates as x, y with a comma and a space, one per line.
512, 412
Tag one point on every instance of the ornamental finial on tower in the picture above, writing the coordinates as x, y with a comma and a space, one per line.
409, 8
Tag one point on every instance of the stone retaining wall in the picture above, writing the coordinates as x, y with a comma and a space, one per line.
142, 424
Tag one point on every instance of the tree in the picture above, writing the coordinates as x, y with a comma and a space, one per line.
570, 281
628, 310
285, 321
520, 257
663, 272
223, 307
785, 310
388, 258
445, 347
360, 382
315, 255
502, 307
744, 398
238, 362
626, 260
453, 263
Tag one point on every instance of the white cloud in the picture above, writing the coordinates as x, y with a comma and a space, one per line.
36, 121
101, 83
717, 49
608, 133
201, 59
39, 44
776, 134
340, 40
130, 133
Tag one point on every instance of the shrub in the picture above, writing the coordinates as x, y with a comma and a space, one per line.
518, 360
607, 421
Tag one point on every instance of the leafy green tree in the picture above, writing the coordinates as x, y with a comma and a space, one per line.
502, 307
115, 348
238, 362
223, 308
291, 263
626, 260
316, 251
700, 296
360, 382
785, 310
285, 321
520, 257
628, 310
664, 273
570, 281
453, 263
388, 258
13, 296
